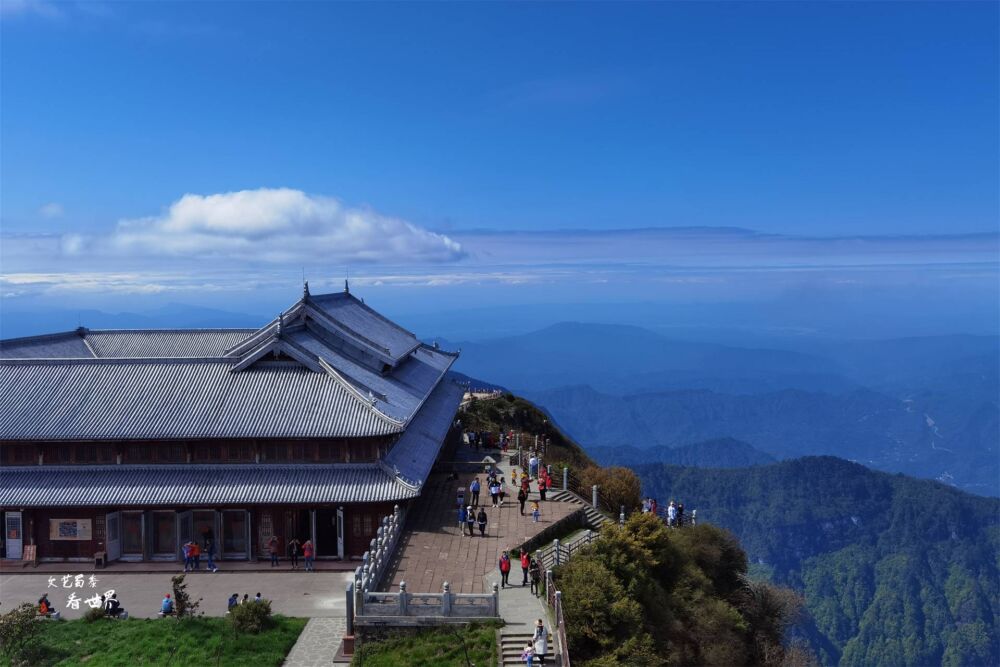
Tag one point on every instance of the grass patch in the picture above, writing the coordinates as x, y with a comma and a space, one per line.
200, 641
446, 646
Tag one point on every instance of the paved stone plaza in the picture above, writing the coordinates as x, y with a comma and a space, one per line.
434, 550
303, 594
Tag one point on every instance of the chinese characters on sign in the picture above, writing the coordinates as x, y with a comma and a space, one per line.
79, 581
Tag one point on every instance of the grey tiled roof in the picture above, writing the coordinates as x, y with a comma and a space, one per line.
165, 343
352, 314
349, 372
196, 485
102, 399
414, 453
65, 345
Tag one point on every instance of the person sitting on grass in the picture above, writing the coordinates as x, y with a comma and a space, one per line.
45, 607
167, 606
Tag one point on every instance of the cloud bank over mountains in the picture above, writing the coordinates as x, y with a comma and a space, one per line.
249, 250
272, 226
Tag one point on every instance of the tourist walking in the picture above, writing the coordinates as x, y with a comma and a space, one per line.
188, 558
542, 487
196, 555
210, 554
528, 655
273, 545
470, 521
482, 522
680, 514
463, 514
522, 497
541, 641
293, 552
525, 564
535, 572
474, 490
309, 553
503, 490
504, 569
495, 492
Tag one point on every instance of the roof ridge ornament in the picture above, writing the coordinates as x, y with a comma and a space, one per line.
347, 287
305, 288
281, 320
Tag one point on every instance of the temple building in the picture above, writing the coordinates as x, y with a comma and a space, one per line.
133, 442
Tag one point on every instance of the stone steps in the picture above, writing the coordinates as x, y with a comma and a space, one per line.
513, 643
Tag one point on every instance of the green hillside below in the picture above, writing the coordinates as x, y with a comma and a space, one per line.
895, 571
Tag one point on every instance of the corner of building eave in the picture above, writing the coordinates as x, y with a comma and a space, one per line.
396, 425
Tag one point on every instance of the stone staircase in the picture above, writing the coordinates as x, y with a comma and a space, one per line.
513, 643
595, 520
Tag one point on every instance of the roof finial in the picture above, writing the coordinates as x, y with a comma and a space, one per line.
281, 320
305, 288
347, 287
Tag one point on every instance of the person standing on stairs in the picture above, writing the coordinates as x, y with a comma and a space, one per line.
525, 564
541, 641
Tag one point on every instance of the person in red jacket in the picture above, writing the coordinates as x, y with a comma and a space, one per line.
525, 564
504, 569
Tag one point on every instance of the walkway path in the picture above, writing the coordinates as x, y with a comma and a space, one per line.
318, 643
434, 549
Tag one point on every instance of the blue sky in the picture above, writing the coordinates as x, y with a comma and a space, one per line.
858, 144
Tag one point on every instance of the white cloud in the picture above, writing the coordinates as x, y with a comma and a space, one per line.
271, 225
51, 210
30, 7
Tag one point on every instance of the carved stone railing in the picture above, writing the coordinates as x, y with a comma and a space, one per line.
405, 608
375, 561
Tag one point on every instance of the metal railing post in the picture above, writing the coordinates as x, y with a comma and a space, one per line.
565, 479
593, 492
555, 544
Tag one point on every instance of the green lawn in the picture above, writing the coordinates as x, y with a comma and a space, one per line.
433, 647
198, 642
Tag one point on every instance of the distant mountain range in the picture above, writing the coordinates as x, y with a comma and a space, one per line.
17, 323
895, 571
719, 453
924, 406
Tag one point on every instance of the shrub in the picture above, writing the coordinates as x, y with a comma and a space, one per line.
18, 630
617, 486
184, 606
94, 615
251, 618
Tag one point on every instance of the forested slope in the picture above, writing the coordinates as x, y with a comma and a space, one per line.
894, 570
